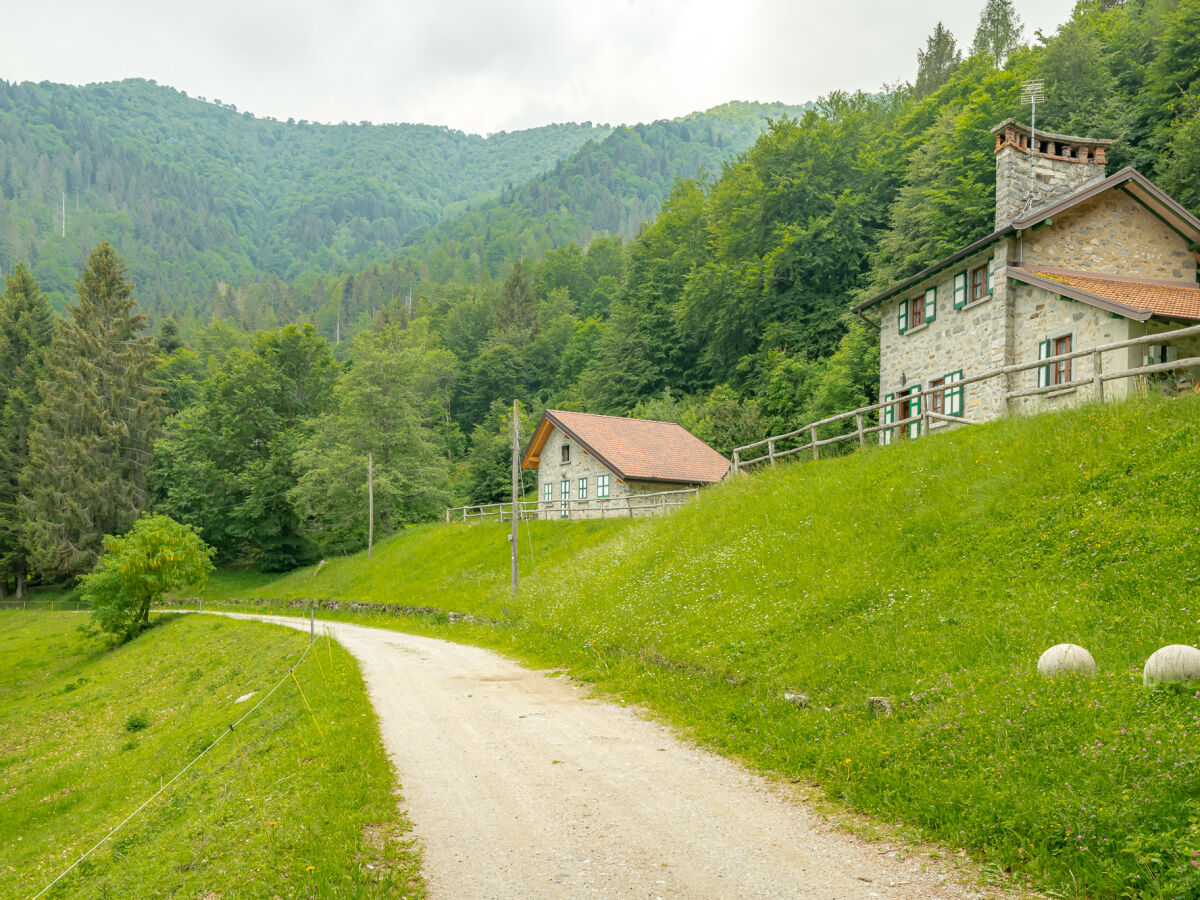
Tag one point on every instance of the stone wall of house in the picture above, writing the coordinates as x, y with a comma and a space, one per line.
1114, 234
973, 339
624, 499
1040, 315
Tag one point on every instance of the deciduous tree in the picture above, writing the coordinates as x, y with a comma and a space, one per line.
156, 556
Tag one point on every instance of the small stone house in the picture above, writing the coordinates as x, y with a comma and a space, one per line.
592, 466
1079, 261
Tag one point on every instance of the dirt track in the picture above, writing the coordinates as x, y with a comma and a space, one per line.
521, 786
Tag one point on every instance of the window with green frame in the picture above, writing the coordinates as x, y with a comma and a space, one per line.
602, 487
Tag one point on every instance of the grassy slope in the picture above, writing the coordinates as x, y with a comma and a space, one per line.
70, 705
934, 573
461, 569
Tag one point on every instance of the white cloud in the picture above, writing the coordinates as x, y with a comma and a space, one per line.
482, 65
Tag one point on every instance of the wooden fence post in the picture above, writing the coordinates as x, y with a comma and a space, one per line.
771, 450
862, 438
816, 450
737, 458
1097, 370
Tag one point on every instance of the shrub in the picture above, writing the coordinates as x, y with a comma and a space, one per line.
155, 556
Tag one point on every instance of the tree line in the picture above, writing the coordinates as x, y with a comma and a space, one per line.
726, 313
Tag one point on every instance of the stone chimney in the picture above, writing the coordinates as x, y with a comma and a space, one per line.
1062, 165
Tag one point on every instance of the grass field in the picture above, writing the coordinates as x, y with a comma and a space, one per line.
88, 733
933, 573
432, 565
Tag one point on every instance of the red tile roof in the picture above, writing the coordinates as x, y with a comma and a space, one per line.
1170, 300
635, 449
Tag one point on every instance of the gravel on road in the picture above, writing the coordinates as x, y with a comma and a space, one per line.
521, 785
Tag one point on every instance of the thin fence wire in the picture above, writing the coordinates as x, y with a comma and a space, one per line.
180, 773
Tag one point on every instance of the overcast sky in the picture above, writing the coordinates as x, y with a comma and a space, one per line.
488, 65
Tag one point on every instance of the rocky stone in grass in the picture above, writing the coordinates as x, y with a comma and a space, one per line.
1066, 658
796, 698
879, 706
1174, 662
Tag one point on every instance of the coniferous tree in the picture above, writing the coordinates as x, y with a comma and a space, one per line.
936, 62
999, 32
90, 447
26, 328
517, 310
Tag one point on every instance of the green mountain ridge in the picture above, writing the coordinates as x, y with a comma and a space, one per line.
611, 186
196, 194
193, 192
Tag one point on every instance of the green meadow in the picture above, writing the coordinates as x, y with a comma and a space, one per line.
933, 573
299, 805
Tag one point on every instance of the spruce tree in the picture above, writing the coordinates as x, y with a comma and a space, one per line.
26, 328
93, 432
517, 313
936, 62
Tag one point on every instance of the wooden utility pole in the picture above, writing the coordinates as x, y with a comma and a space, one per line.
516, 496
370, 503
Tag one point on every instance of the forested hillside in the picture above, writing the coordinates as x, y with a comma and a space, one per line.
609, 187
205, 201
727, 313
194, 191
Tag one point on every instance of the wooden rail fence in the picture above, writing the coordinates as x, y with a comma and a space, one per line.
861, 429
591, 508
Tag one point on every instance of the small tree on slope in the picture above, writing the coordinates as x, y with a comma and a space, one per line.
156, 556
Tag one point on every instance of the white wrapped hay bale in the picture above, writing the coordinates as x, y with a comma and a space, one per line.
1174, 662
1066, 658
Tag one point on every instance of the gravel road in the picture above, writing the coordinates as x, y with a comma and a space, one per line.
519, 785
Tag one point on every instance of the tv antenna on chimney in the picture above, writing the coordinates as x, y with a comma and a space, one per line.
1031, 93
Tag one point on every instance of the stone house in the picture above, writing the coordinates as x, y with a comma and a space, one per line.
1079, 261
592, 466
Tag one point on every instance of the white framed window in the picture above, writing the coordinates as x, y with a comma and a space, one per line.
548, 491
583, 488
602, 487
564, 496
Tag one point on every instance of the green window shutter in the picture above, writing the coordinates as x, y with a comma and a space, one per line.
914, 409
888, 417
991, 281
902, 319
930, 304
960, 290
1044, 371
954, 396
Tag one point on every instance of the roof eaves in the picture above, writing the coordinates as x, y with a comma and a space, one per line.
1138, 314
935, 268
1116, 180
